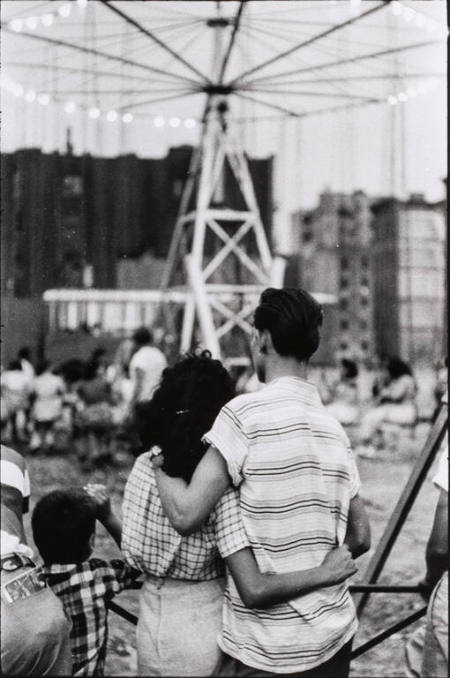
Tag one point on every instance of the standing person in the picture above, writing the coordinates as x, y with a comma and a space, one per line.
24, 357
95, 420
182, 596
15, 388
34, 628
48, 390
298, 489
146, 366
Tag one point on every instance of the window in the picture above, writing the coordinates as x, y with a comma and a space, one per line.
365, 345
364, 301
344, 324
364, 261
72, 186
343, 304
343, 345
344, 264
343, 283
363, 324
364, 281
307, 236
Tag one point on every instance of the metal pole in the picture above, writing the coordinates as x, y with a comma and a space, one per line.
404, 504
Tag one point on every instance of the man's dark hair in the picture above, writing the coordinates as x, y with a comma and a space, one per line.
292, 317
182, 410
397, 368
142, 336
15, 366
42, 367
63, 522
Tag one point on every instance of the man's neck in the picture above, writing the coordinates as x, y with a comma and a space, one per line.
278, 366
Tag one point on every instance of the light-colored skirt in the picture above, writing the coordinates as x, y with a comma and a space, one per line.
179, 622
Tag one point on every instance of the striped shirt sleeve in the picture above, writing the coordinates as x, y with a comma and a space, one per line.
228, 437
355, 481
230, 531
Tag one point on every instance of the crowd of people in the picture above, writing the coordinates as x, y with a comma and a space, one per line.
84, 405
243, 519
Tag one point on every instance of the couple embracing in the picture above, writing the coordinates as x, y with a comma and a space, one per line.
247, 525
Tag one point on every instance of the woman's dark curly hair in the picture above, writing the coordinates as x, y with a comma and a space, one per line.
183, 408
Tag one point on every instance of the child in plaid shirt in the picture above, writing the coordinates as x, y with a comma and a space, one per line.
64, 531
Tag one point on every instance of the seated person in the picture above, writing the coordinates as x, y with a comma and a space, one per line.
34, 628
395, 404
63, 525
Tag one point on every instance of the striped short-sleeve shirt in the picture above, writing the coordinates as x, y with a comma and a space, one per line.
296, 476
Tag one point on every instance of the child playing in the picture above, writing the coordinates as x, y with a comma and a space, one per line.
63, 525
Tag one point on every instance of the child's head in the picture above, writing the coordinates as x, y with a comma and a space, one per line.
63, 525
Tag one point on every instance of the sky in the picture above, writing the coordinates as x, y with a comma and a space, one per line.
381, 145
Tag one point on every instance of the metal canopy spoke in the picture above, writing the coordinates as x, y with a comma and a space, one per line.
227, 56
153, 37
309, 42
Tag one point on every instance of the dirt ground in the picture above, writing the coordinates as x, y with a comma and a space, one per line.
383, 479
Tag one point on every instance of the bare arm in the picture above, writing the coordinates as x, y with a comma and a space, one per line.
437, 548
263, 590
188, 506
105, 514
357, 537
138, 381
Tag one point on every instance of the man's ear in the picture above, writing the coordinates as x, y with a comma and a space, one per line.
265, 342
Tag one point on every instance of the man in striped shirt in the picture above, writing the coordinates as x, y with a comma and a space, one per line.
298, 486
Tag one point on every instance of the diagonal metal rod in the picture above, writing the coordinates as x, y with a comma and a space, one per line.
349, 60
349, 78
181, 95
289, 92
96, 52
227, 56
153, 37
310, 41
399, 626
282, 109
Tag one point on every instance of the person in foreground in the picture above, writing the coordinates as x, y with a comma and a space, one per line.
298, 496
63, 524
182, 597
34, 628
427, 648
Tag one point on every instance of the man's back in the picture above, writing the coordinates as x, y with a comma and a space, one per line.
296, 477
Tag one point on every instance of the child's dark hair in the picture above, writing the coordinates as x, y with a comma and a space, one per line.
183, 408
63, 522
293, 318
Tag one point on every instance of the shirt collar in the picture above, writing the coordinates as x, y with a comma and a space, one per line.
298, 385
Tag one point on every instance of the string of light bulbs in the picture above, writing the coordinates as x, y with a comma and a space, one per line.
47, 19
94, 113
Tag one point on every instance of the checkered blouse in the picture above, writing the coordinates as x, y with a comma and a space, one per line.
85, 590
150, 543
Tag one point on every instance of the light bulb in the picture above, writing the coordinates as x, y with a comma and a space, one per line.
31, 22
189, 123
47, 19
70, 107
159, 121
392, 100
111, 116
174, 122
402, 96
65, 10
18, 90
127, 118
43, 99
30, 95
16, 25
94, 113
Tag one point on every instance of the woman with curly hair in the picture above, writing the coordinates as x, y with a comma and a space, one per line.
182, 595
